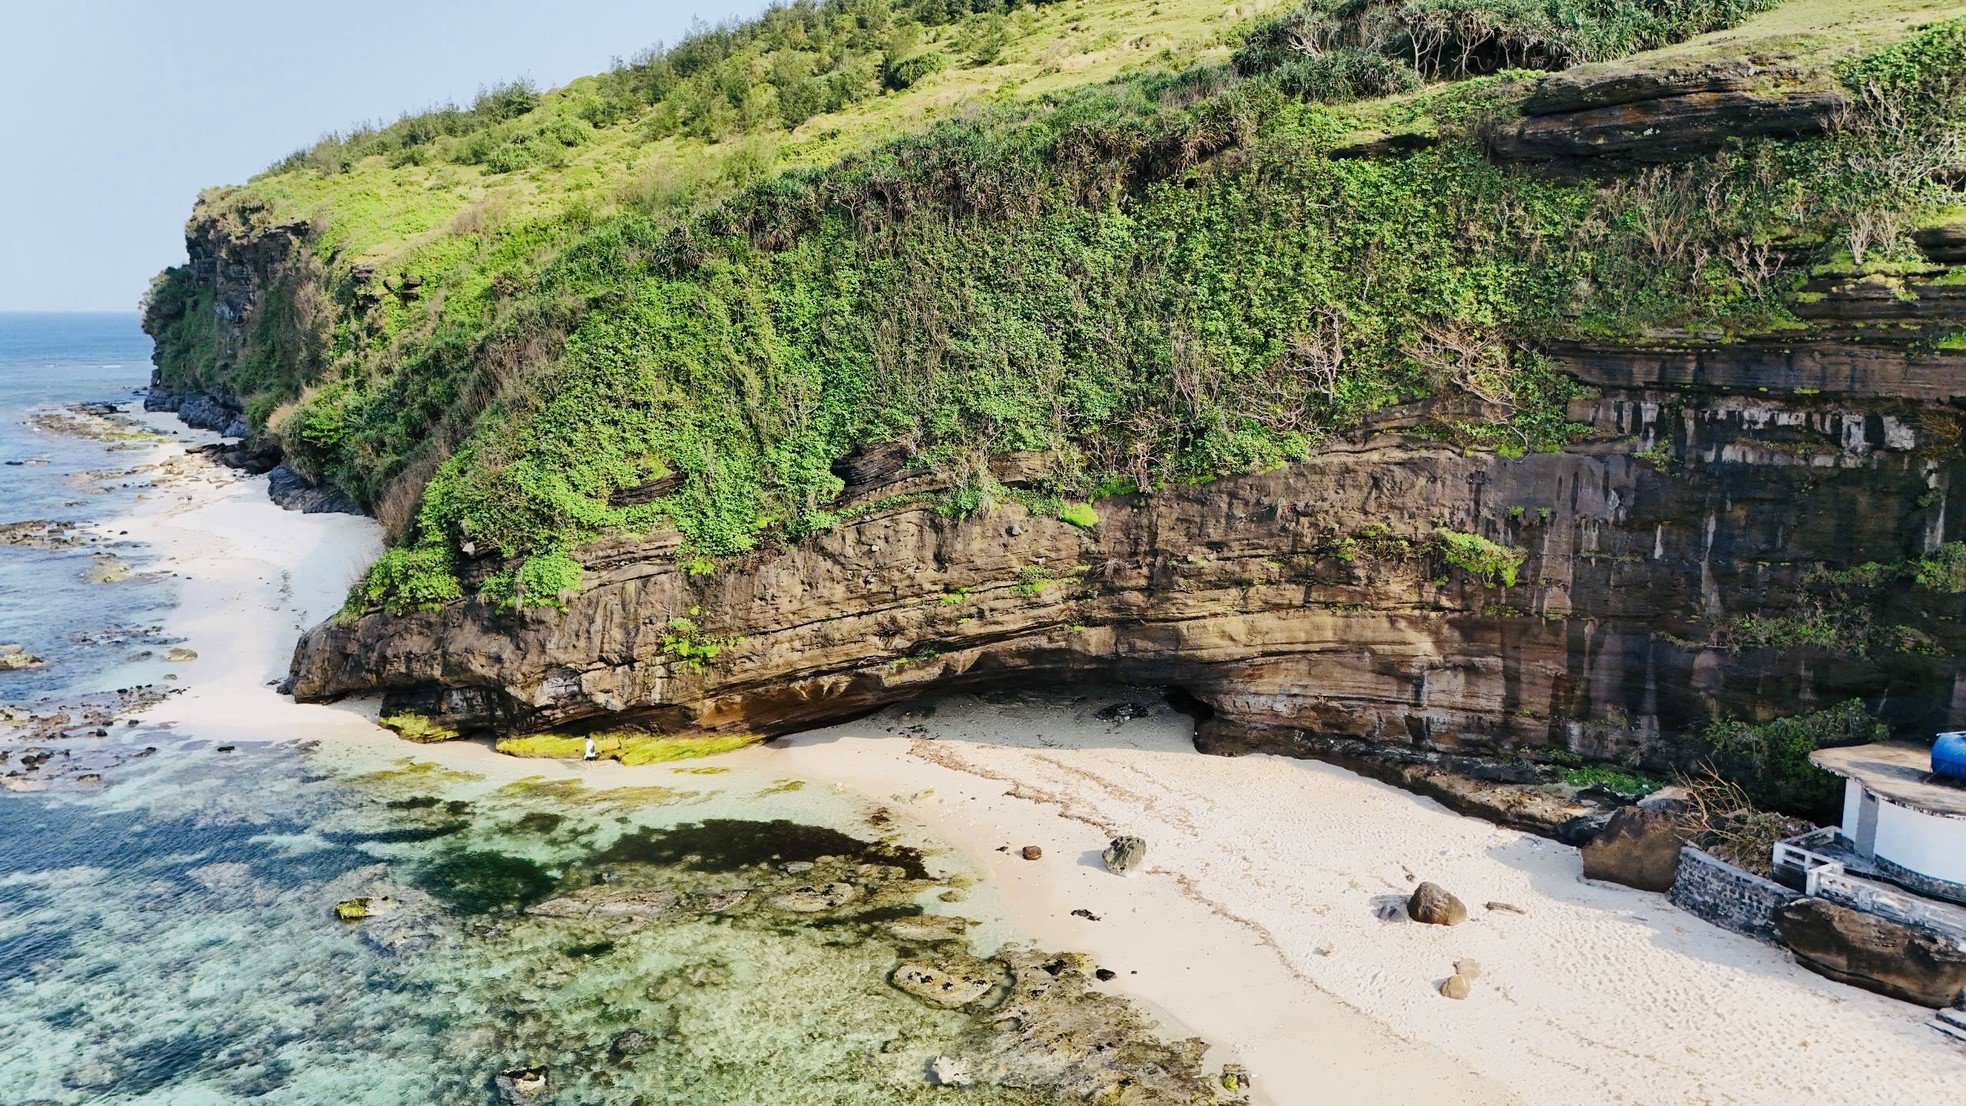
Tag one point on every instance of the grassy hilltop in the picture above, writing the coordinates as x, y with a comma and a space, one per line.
1131, 237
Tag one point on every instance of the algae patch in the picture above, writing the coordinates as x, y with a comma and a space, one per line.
627, 746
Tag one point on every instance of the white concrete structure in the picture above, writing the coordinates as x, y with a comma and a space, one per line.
1900, 818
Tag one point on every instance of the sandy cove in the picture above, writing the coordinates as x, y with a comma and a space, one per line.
1257, 918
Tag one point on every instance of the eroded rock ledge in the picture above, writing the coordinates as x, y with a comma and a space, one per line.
1312, 598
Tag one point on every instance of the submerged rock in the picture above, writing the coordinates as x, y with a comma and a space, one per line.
1433, 904
1125, 854
928, 927
954, 982
947, 1071
1058, 1035
354, 910
14, 657
521, 1085
627, 904
815, 899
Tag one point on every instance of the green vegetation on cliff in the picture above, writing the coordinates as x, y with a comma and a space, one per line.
713, 272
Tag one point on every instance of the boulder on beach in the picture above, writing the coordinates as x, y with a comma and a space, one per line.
1872, 952
1125, 854
1433, 904
1639, 846
952, 982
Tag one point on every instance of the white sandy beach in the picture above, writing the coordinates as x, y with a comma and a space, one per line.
1255, 921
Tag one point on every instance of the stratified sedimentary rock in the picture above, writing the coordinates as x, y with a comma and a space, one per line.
1873, 952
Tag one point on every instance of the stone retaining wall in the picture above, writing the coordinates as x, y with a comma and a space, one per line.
1730, 898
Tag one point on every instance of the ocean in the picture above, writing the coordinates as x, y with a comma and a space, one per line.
282, 921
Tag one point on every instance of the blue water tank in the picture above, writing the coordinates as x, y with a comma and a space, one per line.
1949, 755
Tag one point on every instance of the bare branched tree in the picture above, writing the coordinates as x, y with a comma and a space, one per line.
1471, 358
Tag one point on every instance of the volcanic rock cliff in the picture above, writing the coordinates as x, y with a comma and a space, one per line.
1310, 598
1749, 527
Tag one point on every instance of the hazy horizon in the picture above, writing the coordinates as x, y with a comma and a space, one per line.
124, 111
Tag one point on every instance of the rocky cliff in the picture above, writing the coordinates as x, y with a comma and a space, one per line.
1313, 597
1743, 524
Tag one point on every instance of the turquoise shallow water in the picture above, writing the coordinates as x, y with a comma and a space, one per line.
47, 362
171, 938
169, 934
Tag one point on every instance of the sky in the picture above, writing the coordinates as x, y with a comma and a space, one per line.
118, 112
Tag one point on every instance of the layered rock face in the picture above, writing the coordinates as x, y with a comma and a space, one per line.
1309, 600
1669, 554
1577, 121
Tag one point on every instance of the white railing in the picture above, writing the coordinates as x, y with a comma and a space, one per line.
1799, 854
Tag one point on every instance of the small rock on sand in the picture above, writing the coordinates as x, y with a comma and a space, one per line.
1125, 854
181, 654
1455, 986
1032, 852
1431, 903
1506, 907
1471, 969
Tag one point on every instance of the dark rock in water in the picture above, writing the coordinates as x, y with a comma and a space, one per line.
1125, 855
1875, 953
1433, 904
1639, 846
297, 493
521, 1086
97, 408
